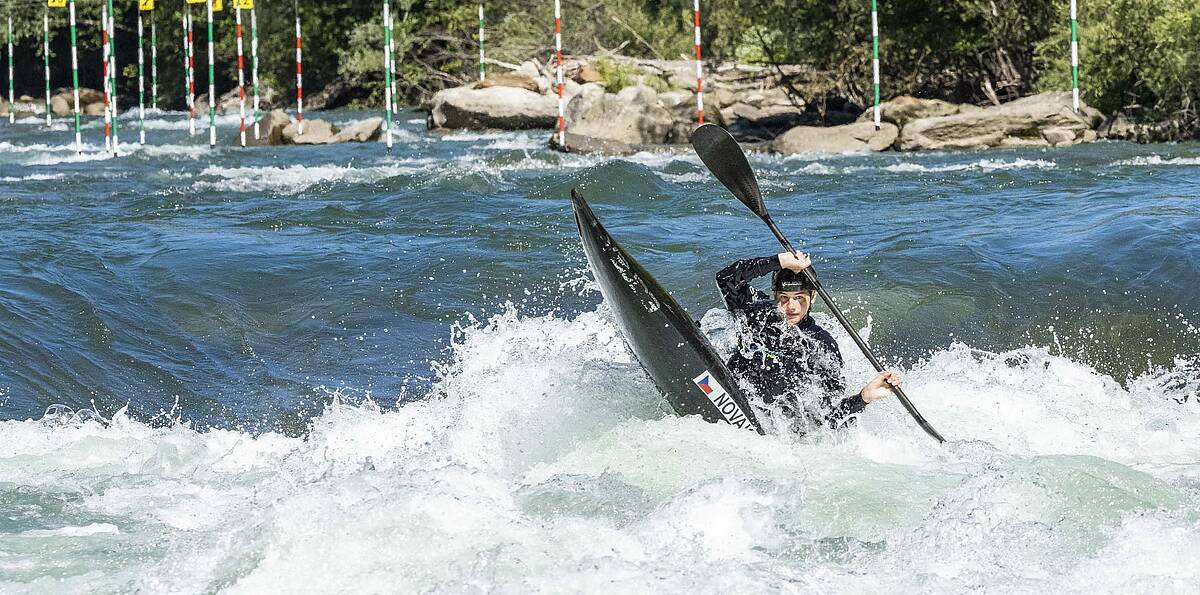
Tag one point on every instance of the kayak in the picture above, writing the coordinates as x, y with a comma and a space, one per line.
676, 355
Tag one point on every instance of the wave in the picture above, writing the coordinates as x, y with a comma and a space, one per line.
542, 459
984, 165
1156, 160
296, 178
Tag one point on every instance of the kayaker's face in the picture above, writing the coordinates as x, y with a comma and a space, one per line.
794, 305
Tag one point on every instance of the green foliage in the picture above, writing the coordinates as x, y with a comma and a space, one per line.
616, 75
1135, 56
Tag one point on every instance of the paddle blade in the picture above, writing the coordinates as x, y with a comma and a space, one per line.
725, 159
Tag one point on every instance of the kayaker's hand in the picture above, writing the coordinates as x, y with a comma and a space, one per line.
880, 386
798, 264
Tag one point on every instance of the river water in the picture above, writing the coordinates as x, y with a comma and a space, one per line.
328, 369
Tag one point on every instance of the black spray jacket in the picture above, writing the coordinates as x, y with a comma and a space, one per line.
787, 365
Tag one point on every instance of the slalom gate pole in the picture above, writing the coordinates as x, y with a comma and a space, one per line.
46, 60
254, 67
112, 73
141, 81
75, 80
875, 56
562, 120
241, 66
699, 65
212, 82
189, 43
104, 73
395, 107
387, 73
1074, 57
482, 71
153, 62
12, 106
299, 73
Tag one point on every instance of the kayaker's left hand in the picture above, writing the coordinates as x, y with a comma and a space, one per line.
880, 386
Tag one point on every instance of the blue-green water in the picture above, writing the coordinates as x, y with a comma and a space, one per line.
331, 369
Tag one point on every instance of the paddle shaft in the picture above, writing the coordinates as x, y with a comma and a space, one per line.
862, 345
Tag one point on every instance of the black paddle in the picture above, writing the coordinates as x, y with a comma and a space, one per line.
725, 159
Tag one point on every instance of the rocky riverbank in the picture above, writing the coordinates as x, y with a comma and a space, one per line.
619, 105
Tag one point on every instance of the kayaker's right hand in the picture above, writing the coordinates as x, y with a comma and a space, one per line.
794, 263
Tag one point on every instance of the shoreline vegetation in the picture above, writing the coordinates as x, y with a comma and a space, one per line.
961, 74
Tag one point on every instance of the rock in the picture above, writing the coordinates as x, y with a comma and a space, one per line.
96, 108
902, 109
4, 107
1038, 120
270, 128
63, 104
772, 126
505, 108
632, 116
860, 136
316, 132
361, 131
586, 145
516, 80
341, 92
587, 74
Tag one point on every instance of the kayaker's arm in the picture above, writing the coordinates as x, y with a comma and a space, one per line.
734, 281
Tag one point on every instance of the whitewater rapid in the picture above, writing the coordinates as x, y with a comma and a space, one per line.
543, 460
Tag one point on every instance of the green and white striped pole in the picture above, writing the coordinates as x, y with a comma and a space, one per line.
46, 60
875, 55
387, 72
153, 63
112, 72
1074, 57
75, 80
212, 82
254, 67
482, 72
141, 82
12, 106
395, 106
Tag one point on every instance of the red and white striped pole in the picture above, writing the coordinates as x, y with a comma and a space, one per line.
241, 62
104, 73
299, 74
190, 42
699, 65
562, 119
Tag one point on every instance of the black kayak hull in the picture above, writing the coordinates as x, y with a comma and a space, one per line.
666, 341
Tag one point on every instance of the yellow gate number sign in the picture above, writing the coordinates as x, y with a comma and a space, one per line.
217, 4
56, 3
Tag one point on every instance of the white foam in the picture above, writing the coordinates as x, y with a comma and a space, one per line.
1157, 160
543, 459
296, 178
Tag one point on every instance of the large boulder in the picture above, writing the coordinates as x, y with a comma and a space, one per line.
62, 102
94, 108
632, 116
506, 108
361, 131
860, 136
905, 108
270, 129
1039, 120
316, 132
517, 80
4, 107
